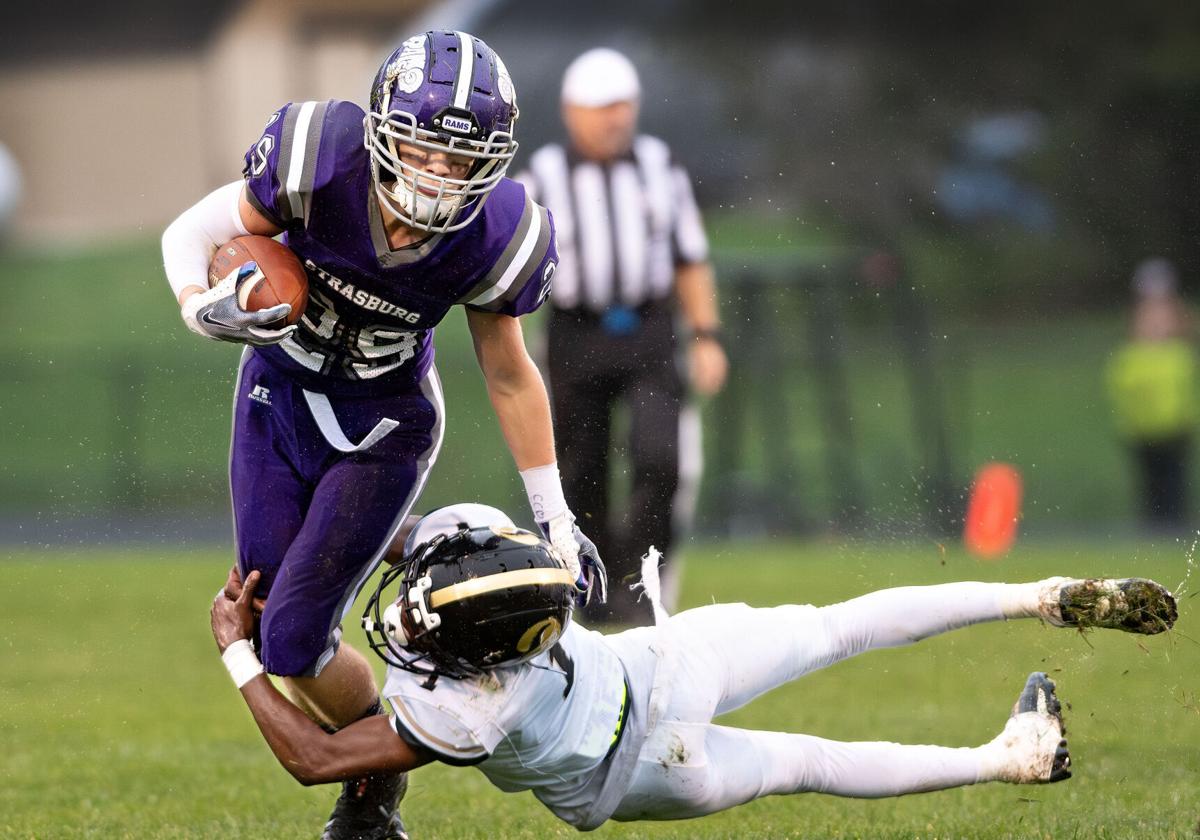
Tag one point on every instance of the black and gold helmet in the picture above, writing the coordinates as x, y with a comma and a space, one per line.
472, 599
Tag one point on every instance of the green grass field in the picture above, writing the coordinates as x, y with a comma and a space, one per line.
117, 719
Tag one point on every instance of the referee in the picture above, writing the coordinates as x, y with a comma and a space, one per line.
633, 265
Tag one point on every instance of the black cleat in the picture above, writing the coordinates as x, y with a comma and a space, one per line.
1135, 605
367, 810
1033, 745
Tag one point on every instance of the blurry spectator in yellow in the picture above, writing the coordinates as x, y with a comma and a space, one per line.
1152, 383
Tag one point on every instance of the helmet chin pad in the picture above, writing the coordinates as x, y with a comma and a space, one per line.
411, 205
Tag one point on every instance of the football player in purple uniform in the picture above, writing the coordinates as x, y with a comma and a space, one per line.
397, 215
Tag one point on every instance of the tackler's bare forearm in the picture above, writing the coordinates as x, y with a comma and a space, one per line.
314, 756
305, 750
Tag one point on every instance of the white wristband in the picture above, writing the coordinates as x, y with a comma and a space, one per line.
543, 486
241, 663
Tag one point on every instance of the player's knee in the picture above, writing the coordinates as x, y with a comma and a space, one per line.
292, 648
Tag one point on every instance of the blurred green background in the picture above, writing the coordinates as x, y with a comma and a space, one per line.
924, 217
118, 414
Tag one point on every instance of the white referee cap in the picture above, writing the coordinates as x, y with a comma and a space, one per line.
600, 77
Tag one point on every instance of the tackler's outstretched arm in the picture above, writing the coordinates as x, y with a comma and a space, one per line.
310, 754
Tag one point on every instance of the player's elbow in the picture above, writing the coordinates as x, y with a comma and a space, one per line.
185, 229
511, 374
308, 776
174, 237
303, 774
309, 761
309, 769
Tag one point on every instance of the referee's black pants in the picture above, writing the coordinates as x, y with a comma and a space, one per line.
590, 370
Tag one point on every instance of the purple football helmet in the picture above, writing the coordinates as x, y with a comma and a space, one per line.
440, 92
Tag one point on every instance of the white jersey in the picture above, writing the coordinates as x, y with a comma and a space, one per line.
546, 725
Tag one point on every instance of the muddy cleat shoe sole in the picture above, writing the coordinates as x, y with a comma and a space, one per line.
1032, 748
1135, 605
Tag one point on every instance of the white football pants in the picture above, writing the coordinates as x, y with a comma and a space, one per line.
728, 654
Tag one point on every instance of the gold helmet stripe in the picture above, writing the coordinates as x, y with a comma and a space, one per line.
502, 580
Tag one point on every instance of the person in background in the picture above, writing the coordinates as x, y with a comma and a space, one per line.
10, 190
1152, 383
633, 262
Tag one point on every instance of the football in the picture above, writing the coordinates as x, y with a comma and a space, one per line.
280, 279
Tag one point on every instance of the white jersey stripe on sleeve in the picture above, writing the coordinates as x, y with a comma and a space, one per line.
296, 164
438, 745
506, 256
466, 70
515, 267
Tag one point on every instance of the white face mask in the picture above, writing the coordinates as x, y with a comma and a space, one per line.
458, 200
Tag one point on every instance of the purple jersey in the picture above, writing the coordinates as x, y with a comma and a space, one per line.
371, 309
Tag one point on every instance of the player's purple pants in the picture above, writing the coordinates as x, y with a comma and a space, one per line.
320, 486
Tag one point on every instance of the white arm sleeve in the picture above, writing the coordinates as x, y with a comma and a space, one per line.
190, 241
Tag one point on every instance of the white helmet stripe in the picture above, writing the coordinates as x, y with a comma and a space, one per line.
466, 70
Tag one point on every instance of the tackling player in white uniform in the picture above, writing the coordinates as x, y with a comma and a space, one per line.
486, 668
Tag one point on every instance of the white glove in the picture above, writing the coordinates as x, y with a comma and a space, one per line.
543, 485
219, 313
580, 556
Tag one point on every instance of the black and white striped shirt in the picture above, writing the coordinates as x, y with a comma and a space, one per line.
622, 226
